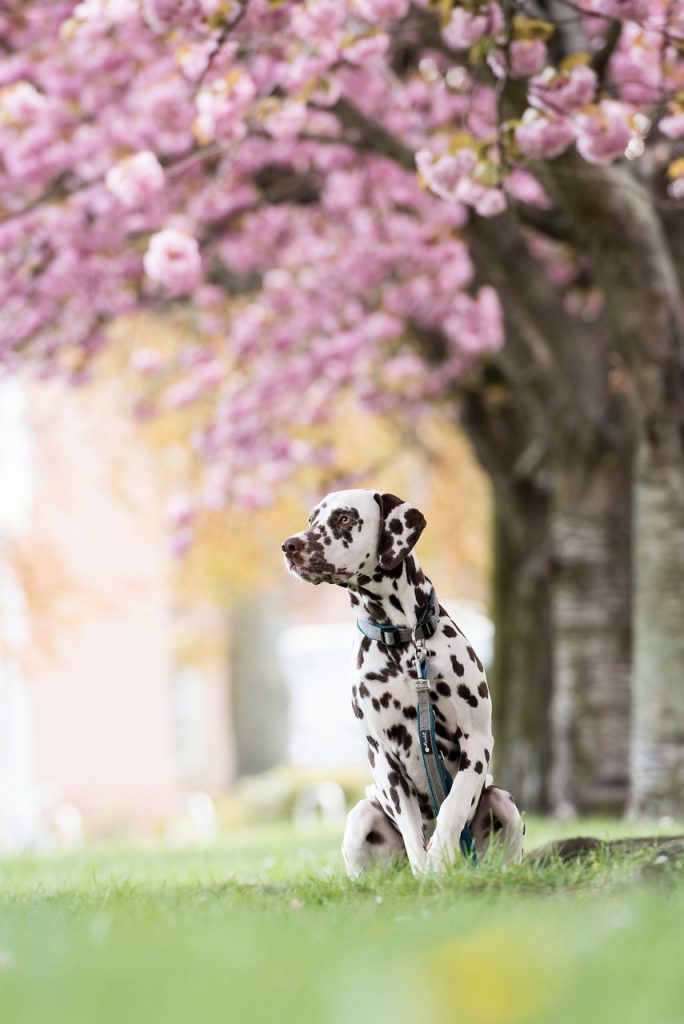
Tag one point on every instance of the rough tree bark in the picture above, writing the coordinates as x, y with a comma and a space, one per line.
521, 676
591, 621
658, 739
522, 670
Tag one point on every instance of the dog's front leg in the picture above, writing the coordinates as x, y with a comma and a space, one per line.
443, 848
391, 782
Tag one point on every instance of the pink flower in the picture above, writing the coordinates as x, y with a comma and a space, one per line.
173, 260
527, 57
488, 202
222, 106
603, 133
161, 15
627, 10
107, 12
137, 179
380, 10
564, 92
366, 49
636, 66
21, 103
465, 28
543, 138
444, 174
673, 125
524, 186
287, 120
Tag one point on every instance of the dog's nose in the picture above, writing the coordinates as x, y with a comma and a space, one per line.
292, 545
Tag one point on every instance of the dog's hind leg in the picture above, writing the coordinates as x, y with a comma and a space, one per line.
497, 822
370, 838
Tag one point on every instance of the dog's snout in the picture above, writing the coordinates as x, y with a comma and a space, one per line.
292, 545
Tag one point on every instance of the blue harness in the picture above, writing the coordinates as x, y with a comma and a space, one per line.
438, 778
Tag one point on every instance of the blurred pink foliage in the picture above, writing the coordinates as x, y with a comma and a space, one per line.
275, 154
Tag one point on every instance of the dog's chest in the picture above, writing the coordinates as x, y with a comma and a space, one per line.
384, 699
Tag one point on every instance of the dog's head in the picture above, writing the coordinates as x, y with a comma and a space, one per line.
353, 534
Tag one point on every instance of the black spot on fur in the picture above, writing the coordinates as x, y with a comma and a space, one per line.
467, 696
449, 631
356, 709
363, 690
410, 712
443, 688
375, 838
457, 666
478, 767
464, 762
363, 649
400, 735
482, 690
473, 657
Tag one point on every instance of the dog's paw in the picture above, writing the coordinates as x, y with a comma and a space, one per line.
439, 856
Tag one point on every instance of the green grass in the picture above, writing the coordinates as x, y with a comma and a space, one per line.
265, 928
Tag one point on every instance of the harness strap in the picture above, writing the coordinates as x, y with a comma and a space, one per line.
438, 778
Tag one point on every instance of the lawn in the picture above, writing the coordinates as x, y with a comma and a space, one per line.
265, 927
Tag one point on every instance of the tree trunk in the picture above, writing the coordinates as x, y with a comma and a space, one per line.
591, 614
521, 674
658, 737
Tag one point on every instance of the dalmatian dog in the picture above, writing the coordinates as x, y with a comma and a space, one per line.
364, 541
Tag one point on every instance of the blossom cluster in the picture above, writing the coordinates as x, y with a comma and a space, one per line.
299, 173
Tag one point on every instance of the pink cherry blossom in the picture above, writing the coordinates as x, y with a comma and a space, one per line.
673, 125
287, 120
256, 162
564, 92
542, 138
161, 15
135, 180
465, 28
173, 260
380, 10
527, 57
628, 10
21, 103
222, 106
603, 134
367, 48
444, 174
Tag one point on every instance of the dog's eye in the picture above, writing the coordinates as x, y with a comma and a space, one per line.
344, 520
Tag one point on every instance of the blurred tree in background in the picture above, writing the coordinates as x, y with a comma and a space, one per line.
254, 164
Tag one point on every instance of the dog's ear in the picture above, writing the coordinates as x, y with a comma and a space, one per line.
400, 527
